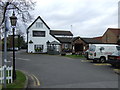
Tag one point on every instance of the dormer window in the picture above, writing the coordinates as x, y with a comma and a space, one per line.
39, 25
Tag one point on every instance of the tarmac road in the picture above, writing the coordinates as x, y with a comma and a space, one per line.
49, 71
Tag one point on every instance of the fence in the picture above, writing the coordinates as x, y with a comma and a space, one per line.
8, 75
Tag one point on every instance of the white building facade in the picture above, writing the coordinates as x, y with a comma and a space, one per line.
38, 34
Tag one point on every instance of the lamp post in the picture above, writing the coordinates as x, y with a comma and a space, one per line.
13, 20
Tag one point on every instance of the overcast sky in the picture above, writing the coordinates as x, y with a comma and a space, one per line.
89, 18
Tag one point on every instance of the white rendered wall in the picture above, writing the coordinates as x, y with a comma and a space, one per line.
39, 40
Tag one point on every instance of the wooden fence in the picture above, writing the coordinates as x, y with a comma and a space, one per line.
8, 75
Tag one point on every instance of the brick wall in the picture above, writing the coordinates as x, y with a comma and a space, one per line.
110, 36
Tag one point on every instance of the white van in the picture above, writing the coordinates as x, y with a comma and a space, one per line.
100, 52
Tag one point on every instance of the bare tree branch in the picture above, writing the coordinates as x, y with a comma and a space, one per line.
5, 9
16, 7
21, 7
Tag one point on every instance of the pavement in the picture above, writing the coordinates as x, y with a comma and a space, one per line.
49, 71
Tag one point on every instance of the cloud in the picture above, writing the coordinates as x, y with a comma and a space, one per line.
89, 18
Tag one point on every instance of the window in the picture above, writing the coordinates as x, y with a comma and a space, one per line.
66, 46
39, 25
38, 33
102, 48
38, 48
118, 48
92, 48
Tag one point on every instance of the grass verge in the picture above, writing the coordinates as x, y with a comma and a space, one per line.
75, 56
19, 82
0, 87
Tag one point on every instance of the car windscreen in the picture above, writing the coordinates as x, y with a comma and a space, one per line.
118, 48
92, 48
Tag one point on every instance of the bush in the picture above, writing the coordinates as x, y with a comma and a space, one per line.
63, 53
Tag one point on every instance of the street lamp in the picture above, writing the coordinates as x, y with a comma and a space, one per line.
13, 20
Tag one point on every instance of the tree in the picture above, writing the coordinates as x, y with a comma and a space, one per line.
21, 8
21, 42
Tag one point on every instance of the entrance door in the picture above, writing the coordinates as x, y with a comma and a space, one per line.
78, 47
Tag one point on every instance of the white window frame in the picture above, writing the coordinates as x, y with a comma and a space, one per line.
39, 25
39, 46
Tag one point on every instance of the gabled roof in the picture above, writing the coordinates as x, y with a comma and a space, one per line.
74, 38
54, 43
36, 20
61, 32
64, 39
115, 31
91, 40
98, 38
86, 40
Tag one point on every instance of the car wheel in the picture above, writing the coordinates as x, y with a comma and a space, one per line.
113, 65
102, 60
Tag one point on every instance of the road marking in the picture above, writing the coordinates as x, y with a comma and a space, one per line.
22, 59
38, 82
34, 83
116, 71
86, 60
102, 64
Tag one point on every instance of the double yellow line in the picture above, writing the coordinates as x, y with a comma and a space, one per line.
102, 64
35, 80
116, 71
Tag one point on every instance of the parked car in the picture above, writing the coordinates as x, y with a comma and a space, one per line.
114, 59
86, 54
100, 52
11, 49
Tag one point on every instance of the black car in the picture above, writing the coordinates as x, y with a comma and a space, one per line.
114, 59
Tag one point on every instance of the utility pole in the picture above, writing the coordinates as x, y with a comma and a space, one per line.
71, 28
5, 51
